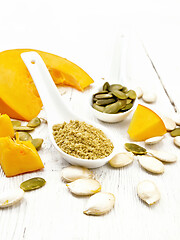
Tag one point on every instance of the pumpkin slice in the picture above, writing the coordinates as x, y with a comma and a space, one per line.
18, 157
18, 95
145, 124
6, 127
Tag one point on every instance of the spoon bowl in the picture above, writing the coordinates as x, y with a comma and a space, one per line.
57, 110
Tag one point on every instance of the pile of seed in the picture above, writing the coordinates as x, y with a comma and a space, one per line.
82, 140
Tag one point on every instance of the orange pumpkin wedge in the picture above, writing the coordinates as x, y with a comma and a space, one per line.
6, 127
145, 124
18, 95
17, 157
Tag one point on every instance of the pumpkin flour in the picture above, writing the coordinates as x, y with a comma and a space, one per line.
82, 140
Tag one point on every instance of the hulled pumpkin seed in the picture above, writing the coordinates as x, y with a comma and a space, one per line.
113, 87
124, 90
23, 128
121, 160
177, 141
16, 123
106, 86
97, 107
72, 173
104, 96
119, 94
84, 187
37, 142
148, 192
114, 107
24, 136
128, 101
163, 156
134, 148
104, 102
10, 198
131, 94
100, 92
151, 164
175, 132
34, 122
99, 204
127, 107
32, 184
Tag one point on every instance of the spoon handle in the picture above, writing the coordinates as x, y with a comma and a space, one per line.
55, 107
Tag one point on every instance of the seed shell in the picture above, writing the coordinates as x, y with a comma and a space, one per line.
169, 123
72, 173
177, 141
10, 198
37, 142
121, 160
24, 136
32, 184
148, 192
134, 148
175, 132
84, 187
149, 97
16, 123
151, 164
154, 140
23, 128
35, 122
163, 156
99, 204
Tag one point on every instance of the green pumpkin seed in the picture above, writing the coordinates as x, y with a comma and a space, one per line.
103, 96
34, 122
101, 92
104, 102
128, 101
106, 86
134, 148
124, 90
112, 108
115, 87
16, 123
98, 108
32, 184
131, 94
119, 94
23, 128
24, 136
175, 132
37, 142
127, 107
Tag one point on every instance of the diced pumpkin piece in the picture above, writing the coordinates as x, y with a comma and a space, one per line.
18, 95
145, 124
17, 157
6, 127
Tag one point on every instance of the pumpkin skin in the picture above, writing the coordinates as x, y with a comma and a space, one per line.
6, 127
18, 95
17, 157
145, 124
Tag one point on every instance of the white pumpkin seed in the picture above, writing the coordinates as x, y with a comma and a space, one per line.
163, 156
100, 203
148, 192
84, 187
121, 160
149, 97
139, 92
153, 140
10, 198
72, 173
151, 164
177, 141
169, 123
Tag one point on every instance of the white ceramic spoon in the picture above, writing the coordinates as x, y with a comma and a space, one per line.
57, 110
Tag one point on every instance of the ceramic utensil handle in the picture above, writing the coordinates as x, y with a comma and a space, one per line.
56, 109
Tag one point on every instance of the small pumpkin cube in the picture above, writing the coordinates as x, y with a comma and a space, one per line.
6, 127
17, 157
